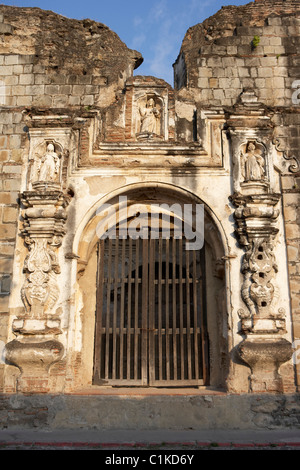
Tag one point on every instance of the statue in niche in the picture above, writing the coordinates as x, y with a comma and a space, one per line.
253, 164
150, 118
48, 165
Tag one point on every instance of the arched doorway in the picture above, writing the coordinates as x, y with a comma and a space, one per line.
138, 349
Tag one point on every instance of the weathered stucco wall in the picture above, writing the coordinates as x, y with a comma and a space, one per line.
69, 85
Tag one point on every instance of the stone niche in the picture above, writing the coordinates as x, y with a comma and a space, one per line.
48, 158
46, 165
149, 117
145, 113
149, 109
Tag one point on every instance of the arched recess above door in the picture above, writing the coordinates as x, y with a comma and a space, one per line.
87, 234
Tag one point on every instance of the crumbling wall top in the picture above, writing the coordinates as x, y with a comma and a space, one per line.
228, 18
62, 43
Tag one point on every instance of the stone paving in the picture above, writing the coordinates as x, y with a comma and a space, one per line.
126, 441
124, 449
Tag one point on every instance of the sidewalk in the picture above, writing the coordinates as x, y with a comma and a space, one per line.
145, 440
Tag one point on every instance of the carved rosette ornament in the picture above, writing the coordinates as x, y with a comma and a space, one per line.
36, 347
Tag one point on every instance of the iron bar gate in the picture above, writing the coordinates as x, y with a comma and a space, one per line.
150, 315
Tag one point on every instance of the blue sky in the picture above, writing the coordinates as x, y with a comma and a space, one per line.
155, 28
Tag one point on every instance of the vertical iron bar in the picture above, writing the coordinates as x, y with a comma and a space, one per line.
107, 318
167, 339
122, 308
160, 362
136, 307
115, 306
128, 358
188, 313
202, 312
195, 306
99, 312
174, 307
182, 375
145, 311
151, 363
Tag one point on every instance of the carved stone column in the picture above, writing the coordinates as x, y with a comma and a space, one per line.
257, 210
36, 347
263, 348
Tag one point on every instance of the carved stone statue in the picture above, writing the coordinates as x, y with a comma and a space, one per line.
150, 118
49, 165
253, 164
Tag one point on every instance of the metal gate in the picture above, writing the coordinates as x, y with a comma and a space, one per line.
150, 315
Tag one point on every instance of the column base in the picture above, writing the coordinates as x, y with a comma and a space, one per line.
265, 356
34, 359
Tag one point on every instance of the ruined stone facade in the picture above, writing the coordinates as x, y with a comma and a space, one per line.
80, 130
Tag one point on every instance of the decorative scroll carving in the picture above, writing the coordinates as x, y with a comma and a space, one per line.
40, 291
262, 264
259, 289
44, 218
256, 218
295, 166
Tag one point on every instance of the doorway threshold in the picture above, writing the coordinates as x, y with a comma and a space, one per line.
146, 391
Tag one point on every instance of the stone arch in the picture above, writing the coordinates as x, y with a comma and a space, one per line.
85, 246
86, 237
